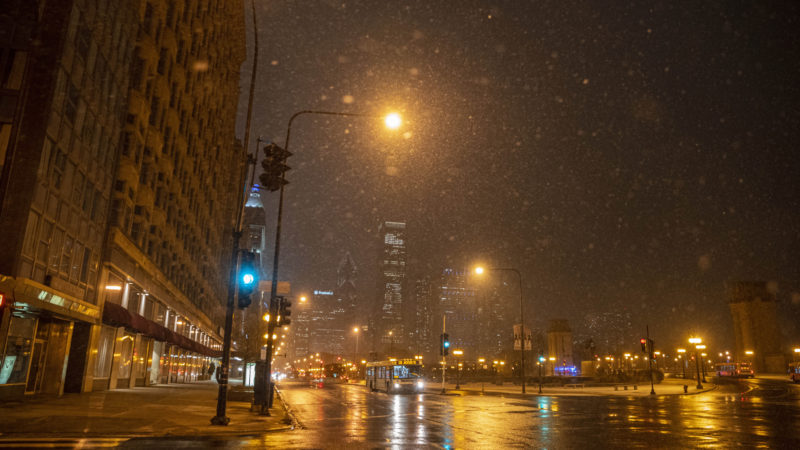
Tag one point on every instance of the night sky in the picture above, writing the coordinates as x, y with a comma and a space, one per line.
624, 156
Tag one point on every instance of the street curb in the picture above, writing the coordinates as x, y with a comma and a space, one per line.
289, 411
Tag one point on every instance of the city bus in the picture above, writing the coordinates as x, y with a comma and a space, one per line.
794, 372
395, 376
735, 370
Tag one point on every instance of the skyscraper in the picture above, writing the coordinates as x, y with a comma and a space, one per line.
392, 283
424, 342
346, 293
458, 302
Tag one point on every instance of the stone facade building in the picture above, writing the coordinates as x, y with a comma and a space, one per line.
755, 326
119, 164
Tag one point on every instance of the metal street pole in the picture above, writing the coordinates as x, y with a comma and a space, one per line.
540, 377
444, 360
458, 373
649, 349
276, 258
697, 363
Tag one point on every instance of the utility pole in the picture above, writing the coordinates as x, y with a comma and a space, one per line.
222, 396
444, 360
650, 359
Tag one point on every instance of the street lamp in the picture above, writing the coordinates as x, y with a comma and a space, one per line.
541, 363
479, 271
697, 342
394, 122
355, 353
458, 354
681, 352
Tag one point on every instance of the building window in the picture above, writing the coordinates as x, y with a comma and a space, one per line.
12, 68
105, 350
18, 351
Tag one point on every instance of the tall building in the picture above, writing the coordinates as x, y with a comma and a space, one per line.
755, 326
494, 324
119, 172
346, 292
326, 330
249, 323
424, 341
559, 348
392, 280
458, 302
64, 78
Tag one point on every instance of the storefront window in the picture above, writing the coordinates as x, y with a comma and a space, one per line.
105, 350
125, 355
15, 359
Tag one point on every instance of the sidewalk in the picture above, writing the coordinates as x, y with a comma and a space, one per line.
170, 410
667, 387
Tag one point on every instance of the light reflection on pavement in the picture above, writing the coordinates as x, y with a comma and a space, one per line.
753, 413
731, 416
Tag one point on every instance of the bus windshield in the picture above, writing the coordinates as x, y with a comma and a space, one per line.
406, 371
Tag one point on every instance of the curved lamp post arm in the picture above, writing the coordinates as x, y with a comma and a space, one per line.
312, 111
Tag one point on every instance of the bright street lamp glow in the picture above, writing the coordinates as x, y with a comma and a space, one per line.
355, 329
393, 121
479, 270
695, 340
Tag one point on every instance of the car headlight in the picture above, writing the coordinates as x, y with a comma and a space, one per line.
397, 385
420, 385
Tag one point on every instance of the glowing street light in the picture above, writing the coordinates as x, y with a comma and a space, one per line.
393, 121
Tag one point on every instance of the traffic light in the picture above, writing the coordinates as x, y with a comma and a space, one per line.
3, 302
445, 340
643, 341
283, 311
275, 168
247, 278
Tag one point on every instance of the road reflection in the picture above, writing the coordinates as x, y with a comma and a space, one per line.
351, 416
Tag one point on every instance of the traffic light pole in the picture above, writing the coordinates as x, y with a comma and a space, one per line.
276, 258
224, 368
444, 359
650, 360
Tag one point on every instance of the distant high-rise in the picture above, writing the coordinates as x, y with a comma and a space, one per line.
559, 347
458, 302
346, 293
392, 282
495, 327
424, 342
755, 326
326, 332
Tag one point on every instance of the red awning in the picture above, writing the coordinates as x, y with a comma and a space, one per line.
116, 315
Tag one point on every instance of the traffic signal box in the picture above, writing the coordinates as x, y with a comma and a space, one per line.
275, 168
444, 350
247, 278
647, 346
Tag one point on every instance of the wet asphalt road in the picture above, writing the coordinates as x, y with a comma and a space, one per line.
749, 413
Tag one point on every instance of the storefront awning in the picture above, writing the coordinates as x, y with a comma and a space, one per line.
116, 315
